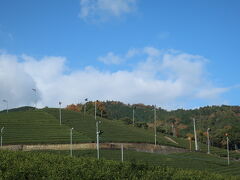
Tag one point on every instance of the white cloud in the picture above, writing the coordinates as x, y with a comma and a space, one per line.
111, 58
132, 52
15, 84
102, 10
165, 78
2, 51
46, 69
211, 93
151, 51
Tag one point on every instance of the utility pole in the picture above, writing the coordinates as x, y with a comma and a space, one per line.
155, 126
97, 129
71, 132
1, 135
85, 107
122, 151
97, 132
95, 112
228, 148
134, 107
5, 101
195, 134
208, 140
60, 113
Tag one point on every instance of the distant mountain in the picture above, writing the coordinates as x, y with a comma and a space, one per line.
23, 108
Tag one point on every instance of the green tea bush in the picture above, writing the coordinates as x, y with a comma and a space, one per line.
34, 165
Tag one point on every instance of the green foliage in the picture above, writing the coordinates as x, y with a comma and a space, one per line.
162, 129
127, 120
29, 165
191, 160
141, 125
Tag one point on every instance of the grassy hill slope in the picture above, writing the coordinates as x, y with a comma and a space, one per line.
28, 126
118, 131
42, 127
114, 131
35, 126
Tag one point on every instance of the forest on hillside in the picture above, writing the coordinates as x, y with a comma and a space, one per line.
222, 120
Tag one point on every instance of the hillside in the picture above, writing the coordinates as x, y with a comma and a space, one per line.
42, 127
113, 131
119, 131
29, 126
35, 126
221, 120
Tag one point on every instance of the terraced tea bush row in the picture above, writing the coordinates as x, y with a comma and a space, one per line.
34, 165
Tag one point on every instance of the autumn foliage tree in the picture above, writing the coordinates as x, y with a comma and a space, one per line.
74, 107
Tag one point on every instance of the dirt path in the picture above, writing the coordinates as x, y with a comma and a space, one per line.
141, 147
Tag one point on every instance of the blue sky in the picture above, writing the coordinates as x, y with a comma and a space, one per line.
96, 36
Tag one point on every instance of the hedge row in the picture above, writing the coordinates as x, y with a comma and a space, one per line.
33, 165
